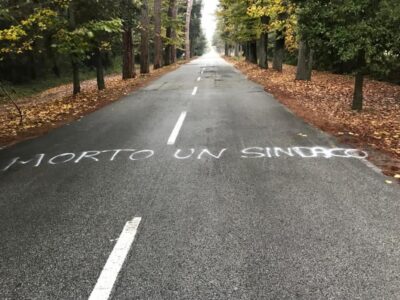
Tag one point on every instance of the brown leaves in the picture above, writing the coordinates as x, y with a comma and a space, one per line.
325, 102
56, 106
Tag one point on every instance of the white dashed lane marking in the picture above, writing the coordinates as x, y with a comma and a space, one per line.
109, 274
177, 128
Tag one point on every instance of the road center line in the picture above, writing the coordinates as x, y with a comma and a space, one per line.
198, 78
177, 128
109, 274
194, 91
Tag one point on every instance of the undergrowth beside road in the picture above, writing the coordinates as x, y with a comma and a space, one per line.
57, 106
41, 84
325, 102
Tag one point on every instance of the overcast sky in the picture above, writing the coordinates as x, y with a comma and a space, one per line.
209, 22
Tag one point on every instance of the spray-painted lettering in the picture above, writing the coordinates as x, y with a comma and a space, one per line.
96, 156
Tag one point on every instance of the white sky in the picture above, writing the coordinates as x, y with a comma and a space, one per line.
208, 21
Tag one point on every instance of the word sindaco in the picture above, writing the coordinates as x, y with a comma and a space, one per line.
183, 154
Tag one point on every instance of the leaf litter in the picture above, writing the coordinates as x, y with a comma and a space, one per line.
57, 106
325, 102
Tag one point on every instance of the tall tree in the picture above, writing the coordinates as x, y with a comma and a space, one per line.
100, 35
174, 12
361, 34
187, 28
144, 39
263, 43
252, 51
198, 42
128, 58
279, 44
170, 49
101, 85
277, 17
74, 59
157, 35
304, 61
75, 34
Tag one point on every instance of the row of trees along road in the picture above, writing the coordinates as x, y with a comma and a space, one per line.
39, 38
361, 37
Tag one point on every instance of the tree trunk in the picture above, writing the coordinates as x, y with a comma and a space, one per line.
187, 28
246, 51
192, 49
173, 33
170, 49
157, 35
236, 50
99, 70
253, 52
277, 61
128, 58
74, 61
359, 82
304, 62
263, 45
75, 77
226, 49
358, 92
144, 39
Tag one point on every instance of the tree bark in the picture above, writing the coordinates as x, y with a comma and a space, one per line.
187, 28
226, 49
359, 82
263, 45
75, 77
128, 58
99, 70
157, 35
304, 62
246, 51
253, 52
144, 39
167, 55
170, 49
74, 60
277, 61
358, 92
173, 32
236, 50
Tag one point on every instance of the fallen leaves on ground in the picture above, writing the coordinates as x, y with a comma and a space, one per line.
325, 102
56, 106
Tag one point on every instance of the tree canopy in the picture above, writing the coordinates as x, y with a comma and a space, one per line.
68, 36
360, 37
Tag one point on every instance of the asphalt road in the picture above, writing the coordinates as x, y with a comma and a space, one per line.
246, 201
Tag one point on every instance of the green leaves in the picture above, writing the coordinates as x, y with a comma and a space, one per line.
87, 37
21, 37
349, 27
